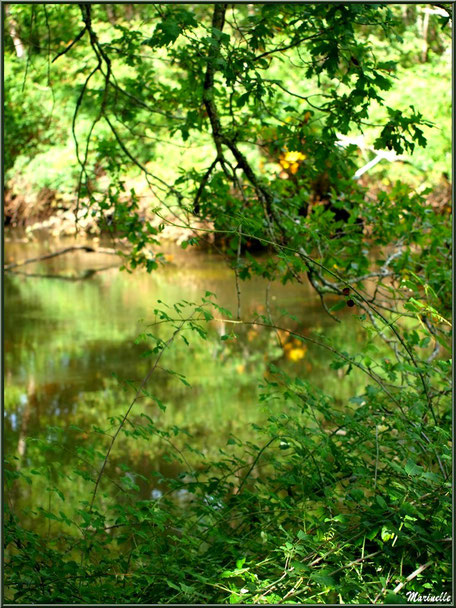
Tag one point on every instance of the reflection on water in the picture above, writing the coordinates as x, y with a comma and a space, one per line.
70, 346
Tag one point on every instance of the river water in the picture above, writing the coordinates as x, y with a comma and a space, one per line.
72, 356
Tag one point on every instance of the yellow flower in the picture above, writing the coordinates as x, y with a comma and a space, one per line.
291, 160
294, 157
296, 354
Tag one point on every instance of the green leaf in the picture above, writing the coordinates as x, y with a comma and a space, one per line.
381, 502
242, 100
393, 598
412, 468
322, 577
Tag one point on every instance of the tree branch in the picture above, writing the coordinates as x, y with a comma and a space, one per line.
221, 138
54, 254
203, 183
78, 37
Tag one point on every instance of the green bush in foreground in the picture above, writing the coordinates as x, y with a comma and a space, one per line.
322, 505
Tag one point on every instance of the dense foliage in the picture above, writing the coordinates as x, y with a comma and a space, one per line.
245, 126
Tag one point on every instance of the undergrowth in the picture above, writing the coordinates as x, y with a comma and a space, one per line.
323, 504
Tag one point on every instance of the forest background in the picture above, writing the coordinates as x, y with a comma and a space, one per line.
284, 436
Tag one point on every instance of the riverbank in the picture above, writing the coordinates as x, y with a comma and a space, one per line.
47, 212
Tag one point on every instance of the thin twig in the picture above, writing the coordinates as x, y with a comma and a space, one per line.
78, 37
241, 485
236, 274
356, 561
124, 419
376, 457
411, 577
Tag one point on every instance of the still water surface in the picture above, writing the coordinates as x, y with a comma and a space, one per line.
70, 344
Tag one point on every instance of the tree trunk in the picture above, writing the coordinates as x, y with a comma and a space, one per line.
13, 32
111, 13
425, 47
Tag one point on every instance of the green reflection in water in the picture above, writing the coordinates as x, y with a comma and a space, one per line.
70, 345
